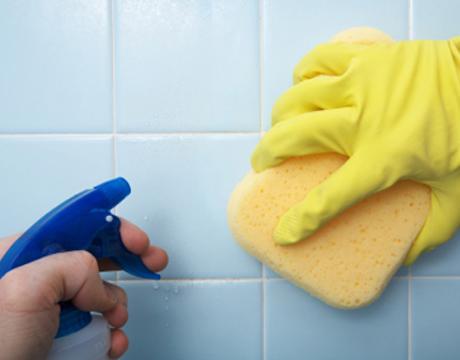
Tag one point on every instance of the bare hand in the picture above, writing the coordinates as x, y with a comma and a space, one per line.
30, 295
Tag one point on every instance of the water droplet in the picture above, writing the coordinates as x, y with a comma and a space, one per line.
176, 290
156, 287
166, 298
146, 218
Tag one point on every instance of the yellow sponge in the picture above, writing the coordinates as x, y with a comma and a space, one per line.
349, 261
362, 35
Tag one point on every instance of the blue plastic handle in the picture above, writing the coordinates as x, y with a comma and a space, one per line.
83, 222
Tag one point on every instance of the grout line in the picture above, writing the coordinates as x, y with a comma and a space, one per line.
428, 277
409, 314
261, 129
117, 134
57, 135
265, 278
191, 280
264, 312
261, 65
275, 279
411, 19
114, 98
172, 134
114, 128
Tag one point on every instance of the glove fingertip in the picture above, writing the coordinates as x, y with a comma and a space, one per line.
263, 159
289, 231
410, 259
413, 254
256, 164
281, 237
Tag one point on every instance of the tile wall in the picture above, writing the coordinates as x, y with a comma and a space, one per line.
173, 95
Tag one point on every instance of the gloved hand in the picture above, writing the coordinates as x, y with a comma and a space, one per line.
394, 109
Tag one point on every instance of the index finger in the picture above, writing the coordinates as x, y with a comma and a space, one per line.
133, 238
137, 241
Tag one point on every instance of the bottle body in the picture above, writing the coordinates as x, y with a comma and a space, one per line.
92, 343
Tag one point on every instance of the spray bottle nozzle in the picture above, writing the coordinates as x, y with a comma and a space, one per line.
114, 190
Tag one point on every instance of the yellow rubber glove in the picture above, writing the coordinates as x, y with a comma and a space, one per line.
394, 109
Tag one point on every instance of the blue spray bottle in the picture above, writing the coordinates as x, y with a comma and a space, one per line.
83, 222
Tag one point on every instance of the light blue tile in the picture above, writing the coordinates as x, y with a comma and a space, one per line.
403, 271
299, 326
181, 186
269, 273
176, 321
38, 173
444, 260
55, 68
436, 19
294, 27
435, 319
187, 65
109, 275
